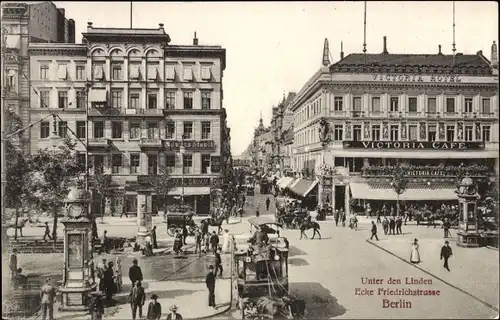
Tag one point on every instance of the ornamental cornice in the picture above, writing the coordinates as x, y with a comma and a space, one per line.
72, 52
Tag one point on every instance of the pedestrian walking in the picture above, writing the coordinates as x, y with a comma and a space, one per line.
198, 239
109, 284
446, 254
173, 315
95, 235
378, 217
124, 212
392, 226
153, 238
13, 263
48, 294
101, 268
385, 225
135, 272
343, 216
225, 241
446, 228
185, 234
399, 223
268, 202
210, 282
154, 309
374, 231
218, 264
214, 241
137, 298
257, 213
47, 232
206, 241
204, 227
105, 241
415, 253
336, 217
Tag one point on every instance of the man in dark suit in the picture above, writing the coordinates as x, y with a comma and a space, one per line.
135, 272
154, 309
153, 238
137, 299
218, 263
392, 226
374, 231
446, 253
210, 282
214, 241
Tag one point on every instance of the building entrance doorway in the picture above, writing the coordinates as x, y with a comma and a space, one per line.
340, 198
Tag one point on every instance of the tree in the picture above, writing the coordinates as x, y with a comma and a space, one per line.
16, 193
399, 183
101, 183
53, 172
162, 184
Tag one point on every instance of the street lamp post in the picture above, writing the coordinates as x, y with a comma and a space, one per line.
398, 183
2, 115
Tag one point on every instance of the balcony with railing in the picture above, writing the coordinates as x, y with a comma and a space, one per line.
99, 143
151, 143
144, 112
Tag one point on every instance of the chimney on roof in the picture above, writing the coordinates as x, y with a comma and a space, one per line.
160, 26
341, 50
89, 25
494, 55
195, 40
440, 53
385, 46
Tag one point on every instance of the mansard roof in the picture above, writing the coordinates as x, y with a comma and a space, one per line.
414, 63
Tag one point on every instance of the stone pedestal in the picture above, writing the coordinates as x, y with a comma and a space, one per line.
144, 218
77, 252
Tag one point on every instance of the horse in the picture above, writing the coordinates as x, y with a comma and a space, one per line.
306, 225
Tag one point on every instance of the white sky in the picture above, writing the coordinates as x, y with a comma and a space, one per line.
275, 47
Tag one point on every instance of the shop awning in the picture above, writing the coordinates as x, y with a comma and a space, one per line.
365, 191
98, 95
189, 191
284, 182
302, 187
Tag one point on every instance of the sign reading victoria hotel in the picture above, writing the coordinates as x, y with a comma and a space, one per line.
433, 145
415, 78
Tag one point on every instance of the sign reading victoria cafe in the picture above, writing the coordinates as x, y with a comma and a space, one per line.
433, 145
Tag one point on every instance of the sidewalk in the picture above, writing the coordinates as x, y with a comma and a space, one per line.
473, 270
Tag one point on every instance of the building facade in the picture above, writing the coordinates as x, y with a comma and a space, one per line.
281, 121
356, 119
152, 108
24, 22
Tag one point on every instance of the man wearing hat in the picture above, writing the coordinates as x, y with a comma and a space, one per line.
154, 309
210, 282
173, 315
446, 253
137, 298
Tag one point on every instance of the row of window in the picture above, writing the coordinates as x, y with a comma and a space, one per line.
117, 163
394, 106
396, 132
134, 129
134, 99
134, 72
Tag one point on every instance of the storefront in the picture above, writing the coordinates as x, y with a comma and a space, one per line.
307, 191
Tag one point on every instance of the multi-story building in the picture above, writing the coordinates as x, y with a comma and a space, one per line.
282, 119
262, 148
24, 22
358, 117
152, 109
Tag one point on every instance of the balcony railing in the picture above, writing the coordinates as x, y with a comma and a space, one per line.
145, 112
155, 143
99, 143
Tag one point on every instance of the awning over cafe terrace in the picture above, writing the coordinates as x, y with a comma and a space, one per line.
189, 191
284, 182
302, 187
367, 192
98, 95
417, 154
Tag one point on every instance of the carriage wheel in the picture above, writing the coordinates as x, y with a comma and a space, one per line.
171, 231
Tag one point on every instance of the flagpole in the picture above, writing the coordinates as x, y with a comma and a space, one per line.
364, 34
130, 14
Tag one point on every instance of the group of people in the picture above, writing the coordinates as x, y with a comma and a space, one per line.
392, 226
110, 277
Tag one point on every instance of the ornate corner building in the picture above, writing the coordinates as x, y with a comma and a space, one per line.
151, 108
368, 112
22, 23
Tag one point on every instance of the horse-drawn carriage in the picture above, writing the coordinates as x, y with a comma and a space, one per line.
261, 273
178, 219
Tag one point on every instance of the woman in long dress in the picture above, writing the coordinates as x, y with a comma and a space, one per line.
118, 275
225, 241
415, 254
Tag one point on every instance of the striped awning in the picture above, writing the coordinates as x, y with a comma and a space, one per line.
367, 192
189, 191
284, 182
303, 186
